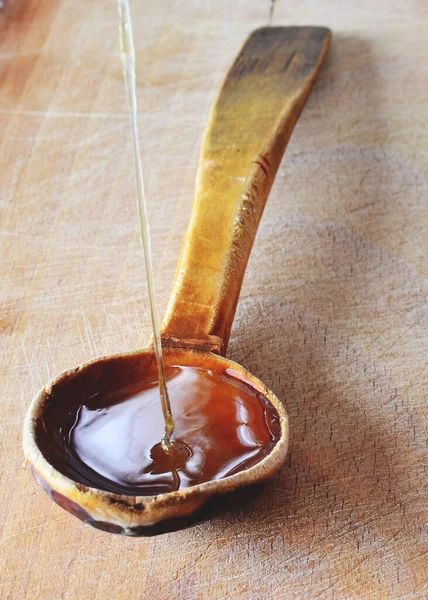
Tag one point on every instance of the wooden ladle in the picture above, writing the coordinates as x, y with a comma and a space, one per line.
249, 128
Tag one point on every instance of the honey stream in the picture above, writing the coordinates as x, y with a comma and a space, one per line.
271, 11
127, 52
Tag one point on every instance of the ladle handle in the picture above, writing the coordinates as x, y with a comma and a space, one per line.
248, 130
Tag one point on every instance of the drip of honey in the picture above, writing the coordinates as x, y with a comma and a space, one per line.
271, 11
128, 63
110, 440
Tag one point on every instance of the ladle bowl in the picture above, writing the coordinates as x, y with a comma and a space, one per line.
249, 127
133, 515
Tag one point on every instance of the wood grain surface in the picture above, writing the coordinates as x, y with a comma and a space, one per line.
333, 313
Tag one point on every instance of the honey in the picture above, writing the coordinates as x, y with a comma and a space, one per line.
110, 440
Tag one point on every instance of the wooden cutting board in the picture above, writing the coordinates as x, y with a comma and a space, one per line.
333, 312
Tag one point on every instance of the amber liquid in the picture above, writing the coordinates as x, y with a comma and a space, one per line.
111, 441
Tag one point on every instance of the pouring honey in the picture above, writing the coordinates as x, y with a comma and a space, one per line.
97, 438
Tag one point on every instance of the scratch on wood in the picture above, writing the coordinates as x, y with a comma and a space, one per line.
74, 115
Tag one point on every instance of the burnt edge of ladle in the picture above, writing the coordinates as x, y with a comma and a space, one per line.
144, 515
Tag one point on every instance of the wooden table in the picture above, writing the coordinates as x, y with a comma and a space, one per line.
333, 312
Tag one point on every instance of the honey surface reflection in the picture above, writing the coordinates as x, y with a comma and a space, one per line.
223, 425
